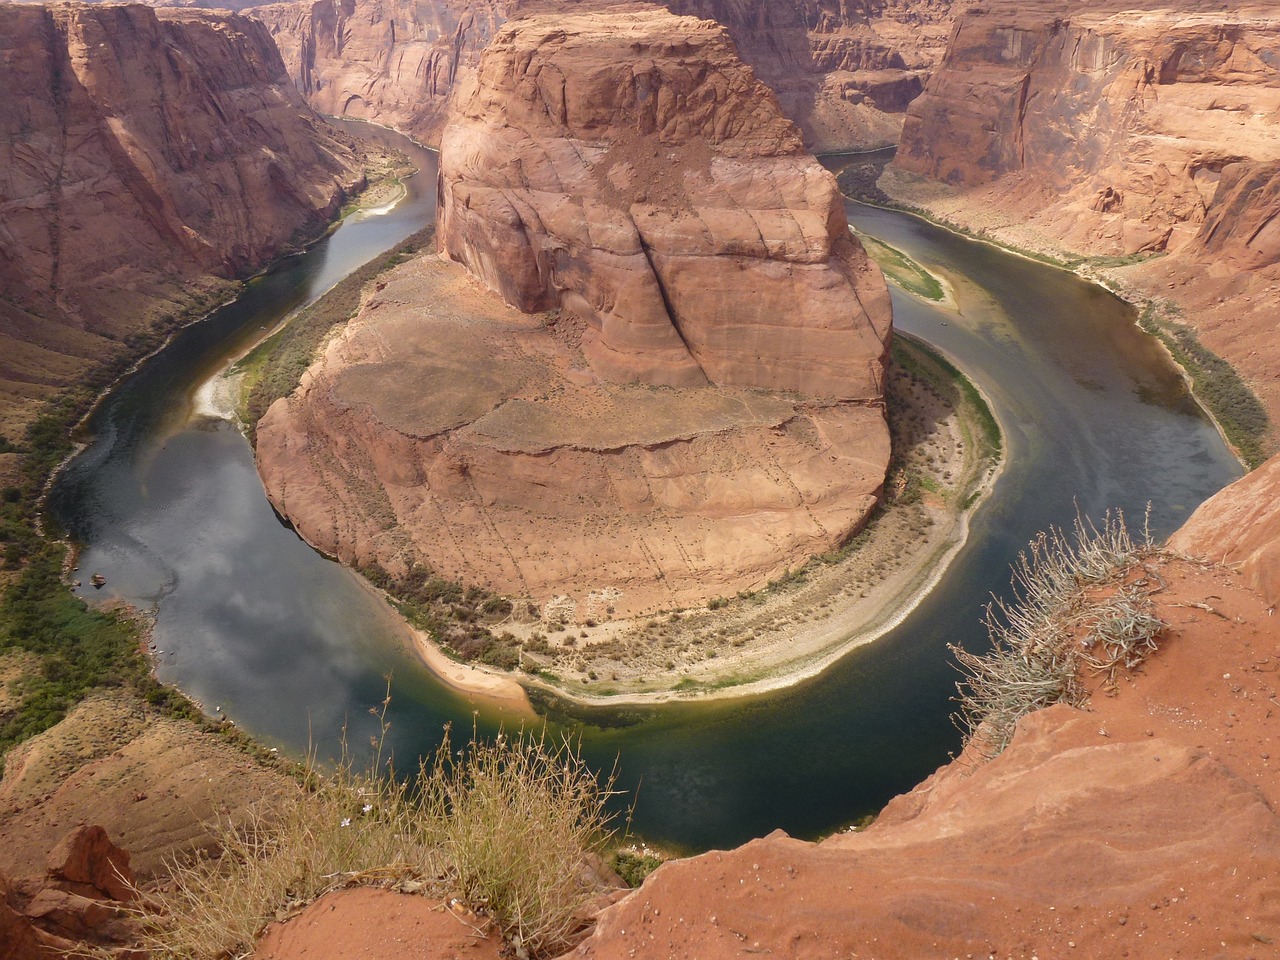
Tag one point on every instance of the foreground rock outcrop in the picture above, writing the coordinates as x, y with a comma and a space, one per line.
627, 177
845, 73
146, 156
76, 907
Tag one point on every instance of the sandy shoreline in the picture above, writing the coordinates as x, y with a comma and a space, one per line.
497, 689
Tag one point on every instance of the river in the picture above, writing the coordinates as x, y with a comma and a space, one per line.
167, 504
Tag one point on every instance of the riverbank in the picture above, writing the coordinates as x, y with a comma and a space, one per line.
1218, 388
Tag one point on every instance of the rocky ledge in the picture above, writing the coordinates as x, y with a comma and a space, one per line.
688, 400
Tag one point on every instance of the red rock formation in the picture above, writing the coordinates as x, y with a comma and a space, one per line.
843, 72
1106, 129
141, 151
1241, 526
1121, 128
1144, 826
631, 171
76, 907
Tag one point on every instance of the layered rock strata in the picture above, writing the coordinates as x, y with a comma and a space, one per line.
1146, 135
142, 151
844, 72
631, 171
694, 405
1108, 129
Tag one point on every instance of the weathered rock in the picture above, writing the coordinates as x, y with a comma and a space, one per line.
444, 429
142, 154
87, 856
629, 170
1241, 526
844, 73
1123, 129
1107, 129
1144, 826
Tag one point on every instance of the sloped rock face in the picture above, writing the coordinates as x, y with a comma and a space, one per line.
1107, 129
1241, 526
141, 150
76, 908
629, 170
1144, 826
443, 429
844, 72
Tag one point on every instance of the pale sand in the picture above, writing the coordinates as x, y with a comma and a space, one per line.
495, 689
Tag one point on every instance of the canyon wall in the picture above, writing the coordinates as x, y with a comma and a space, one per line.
1143, 137
1110, 127
144, 154
844, 72
687, 399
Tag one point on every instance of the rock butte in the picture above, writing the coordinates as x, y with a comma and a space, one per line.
142, 153
844, 72
627, 173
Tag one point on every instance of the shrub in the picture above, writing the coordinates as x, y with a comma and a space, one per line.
508, 825
1057, 624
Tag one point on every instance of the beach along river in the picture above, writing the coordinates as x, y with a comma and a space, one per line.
168, 506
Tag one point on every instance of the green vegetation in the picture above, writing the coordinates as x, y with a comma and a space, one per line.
902, 270
458, 618
273, 368
918, 357
634, 865
509, 826
79, 649
1058, 624
1237, 409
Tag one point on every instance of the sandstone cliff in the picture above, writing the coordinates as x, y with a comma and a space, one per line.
1142, 137
627, 174
629, 170
144, 154
844, 72
1108, 129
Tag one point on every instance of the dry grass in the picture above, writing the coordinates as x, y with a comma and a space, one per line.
1059, 624
508, 826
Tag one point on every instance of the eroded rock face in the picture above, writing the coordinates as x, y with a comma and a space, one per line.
1241, 526
629, 170
445, 429
1108, 128
844, 72
141, 151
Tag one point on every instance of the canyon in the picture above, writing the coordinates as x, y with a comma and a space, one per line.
1143, 825
149, 159
1137, 140
843, 72
695, 372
